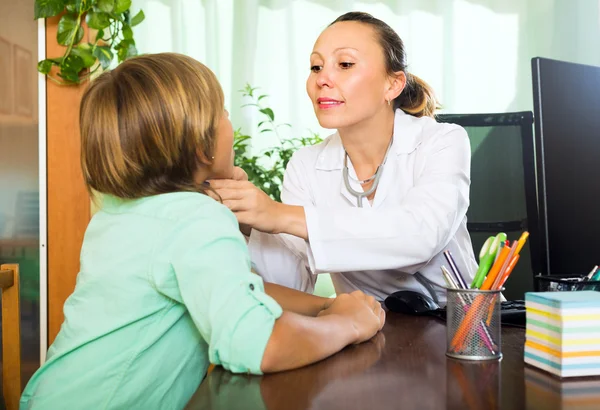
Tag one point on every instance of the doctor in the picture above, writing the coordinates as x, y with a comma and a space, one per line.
376, 203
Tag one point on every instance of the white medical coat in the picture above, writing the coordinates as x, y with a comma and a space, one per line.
419, 211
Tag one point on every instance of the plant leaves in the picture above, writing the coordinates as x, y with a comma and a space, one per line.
84, 51
127, 32
97, 20
78, 6
69, 76
122, 6
100, 35
47, 8
268, 112
138, 18
104, 55
125, 49
68, 30
106, 6
72, 63
45, 66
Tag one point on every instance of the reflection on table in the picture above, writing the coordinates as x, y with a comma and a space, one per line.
405, 367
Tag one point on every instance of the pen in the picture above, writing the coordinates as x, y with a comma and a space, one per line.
513, 249
501, 280
486, 259
587, 278
491, 277
459, 278
521, 241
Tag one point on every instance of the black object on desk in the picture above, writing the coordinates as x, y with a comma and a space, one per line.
512, 313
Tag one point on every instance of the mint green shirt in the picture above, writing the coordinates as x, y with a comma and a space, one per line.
165, 287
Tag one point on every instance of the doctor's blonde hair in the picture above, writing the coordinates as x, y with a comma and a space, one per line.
417, 98
146, 125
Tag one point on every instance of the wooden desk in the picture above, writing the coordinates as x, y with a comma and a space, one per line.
404, 367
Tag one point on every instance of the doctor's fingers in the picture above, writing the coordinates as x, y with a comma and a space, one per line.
236, 205
232, 194
229, 184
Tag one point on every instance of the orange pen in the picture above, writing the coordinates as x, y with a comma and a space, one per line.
491, 277
500, 283
509, 270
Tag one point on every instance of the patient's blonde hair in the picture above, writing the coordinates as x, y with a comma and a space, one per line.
146, 124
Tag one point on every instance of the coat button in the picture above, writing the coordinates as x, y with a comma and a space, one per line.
251, 286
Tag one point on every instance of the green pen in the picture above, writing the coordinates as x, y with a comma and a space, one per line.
487, 256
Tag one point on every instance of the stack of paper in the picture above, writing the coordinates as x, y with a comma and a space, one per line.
563, 332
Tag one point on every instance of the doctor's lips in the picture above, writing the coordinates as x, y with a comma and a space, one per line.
327, 103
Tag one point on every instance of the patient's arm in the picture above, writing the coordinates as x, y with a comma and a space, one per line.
297, 301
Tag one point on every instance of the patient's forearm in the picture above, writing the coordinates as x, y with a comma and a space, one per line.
296, 301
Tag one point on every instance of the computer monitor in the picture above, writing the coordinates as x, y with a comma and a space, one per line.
567, 138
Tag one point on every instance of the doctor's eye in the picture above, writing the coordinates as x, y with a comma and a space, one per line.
316, 68
345, 65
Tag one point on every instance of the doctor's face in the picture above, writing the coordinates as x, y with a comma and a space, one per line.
348, 78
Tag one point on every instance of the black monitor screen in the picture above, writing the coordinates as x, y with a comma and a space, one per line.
567, 128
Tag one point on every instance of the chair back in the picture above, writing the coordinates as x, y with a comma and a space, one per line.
503, 186
11, 336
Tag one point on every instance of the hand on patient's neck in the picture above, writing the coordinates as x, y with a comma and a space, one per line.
367, 142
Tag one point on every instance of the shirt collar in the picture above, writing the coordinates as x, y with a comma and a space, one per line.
407, 137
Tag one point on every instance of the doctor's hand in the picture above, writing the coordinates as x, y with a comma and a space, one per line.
364, 311
256, 209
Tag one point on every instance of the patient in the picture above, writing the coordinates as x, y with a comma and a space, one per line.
165, 286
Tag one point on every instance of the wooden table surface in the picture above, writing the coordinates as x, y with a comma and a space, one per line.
404, 367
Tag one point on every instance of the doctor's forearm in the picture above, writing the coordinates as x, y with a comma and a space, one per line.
292, 220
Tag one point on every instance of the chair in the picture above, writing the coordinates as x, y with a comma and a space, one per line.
11, 336
503, 186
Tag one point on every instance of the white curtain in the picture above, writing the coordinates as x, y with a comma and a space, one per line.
475, 53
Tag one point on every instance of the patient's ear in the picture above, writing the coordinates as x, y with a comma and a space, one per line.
204, 160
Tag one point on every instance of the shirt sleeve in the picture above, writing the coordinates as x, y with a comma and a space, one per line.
225, 300
405, 236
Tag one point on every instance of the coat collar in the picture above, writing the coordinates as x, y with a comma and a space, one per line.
407, 137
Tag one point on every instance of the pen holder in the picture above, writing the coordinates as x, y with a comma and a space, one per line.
473, 324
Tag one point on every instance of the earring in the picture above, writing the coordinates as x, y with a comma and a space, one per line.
213, 157
389, 102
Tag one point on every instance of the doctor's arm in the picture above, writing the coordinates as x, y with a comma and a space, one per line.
405, 236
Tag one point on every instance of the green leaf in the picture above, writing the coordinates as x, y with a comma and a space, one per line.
47, 8
45, 66
78, 6
127, 32
261, 97
84, 51
122, 6
125, 49
97, 20
100, 35
69, 32
72, 63
138, 18
104, 55
266, 130
269, 113
107, 6
69, 76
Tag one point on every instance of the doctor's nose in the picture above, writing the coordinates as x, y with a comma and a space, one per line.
324, 79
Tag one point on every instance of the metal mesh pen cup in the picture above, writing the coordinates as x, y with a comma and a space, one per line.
473, 324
